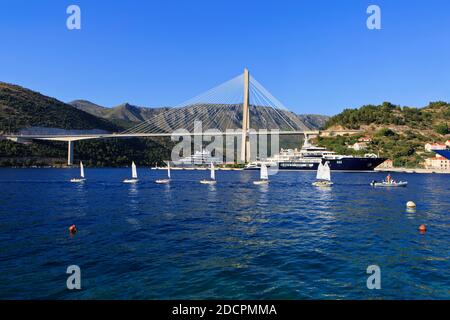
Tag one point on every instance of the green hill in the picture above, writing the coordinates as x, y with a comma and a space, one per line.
429, 117
397, 133
22, 108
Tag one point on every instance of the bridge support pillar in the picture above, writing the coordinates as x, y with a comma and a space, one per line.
70, 152
245, 143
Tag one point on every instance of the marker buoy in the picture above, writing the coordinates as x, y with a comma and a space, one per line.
422, 228
410, 204
73, 229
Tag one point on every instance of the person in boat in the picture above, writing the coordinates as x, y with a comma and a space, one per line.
389, 179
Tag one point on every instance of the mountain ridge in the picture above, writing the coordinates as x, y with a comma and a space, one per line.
129, 114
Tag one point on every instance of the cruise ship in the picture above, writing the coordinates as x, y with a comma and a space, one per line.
309, 157
199, 158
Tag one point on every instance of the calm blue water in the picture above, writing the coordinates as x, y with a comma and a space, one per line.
287, 240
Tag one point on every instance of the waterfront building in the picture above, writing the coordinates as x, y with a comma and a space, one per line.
435, 146
437, 162
388, 164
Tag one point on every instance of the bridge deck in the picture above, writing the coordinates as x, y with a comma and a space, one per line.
144, 135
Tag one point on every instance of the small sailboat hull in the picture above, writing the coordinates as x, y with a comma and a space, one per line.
260, 182
81, 179
322, 184
208, 181
213, 176
323, 176
389, 185
263, 175
130, 181
165, 181
134, 177
162, 181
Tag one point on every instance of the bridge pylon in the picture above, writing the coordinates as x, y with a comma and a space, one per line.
70, 152
245, 142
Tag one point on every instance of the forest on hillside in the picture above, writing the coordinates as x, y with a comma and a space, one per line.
435, 116
397, 133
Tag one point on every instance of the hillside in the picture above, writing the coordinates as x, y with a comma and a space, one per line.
398, 133
124, 115
22, 108
128, 115
427, 118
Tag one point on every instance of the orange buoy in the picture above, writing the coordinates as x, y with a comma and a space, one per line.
422, 228
73, 229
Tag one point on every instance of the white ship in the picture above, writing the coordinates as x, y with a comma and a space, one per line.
199, 158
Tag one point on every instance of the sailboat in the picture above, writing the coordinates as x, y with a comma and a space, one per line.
168, 175
81, 179
264, 175
323, 176
134, 177
213, 176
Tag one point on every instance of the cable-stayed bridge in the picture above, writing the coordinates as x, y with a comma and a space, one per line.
240, 107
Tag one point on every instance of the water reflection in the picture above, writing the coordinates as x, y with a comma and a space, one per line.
212, 193
81, 199
263, 192
133, 197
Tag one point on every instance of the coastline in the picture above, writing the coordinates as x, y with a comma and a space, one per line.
413, 170
397, 169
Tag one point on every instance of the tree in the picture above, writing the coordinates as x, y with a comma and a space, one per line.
443, 129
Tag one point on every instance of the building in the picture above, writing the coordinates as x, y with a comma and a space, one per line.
437, 162
358, 146
365, 139
388, 164
435, 146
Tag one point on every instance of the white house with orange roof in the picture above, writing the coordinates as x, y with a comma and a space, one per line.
358, 146
435, 146
365, 139
437, 162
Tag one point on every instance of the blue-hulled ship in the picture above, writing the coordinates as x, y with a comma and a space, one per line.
309, 157
444, 153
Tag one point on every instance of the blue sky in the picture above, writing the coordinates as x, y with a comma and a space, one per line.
315, 56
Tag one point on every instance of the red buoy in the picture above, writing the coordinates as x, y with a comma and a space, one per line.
422, 228
73, 229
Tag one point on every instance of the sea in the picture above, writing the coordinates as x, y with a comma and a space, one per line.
232, 240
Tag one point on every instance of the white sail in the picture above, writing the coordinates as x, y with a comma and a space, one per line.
81, 169
319, 174
263, 172
213, 174
133, 171
324, 172
168, 170
327, 172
